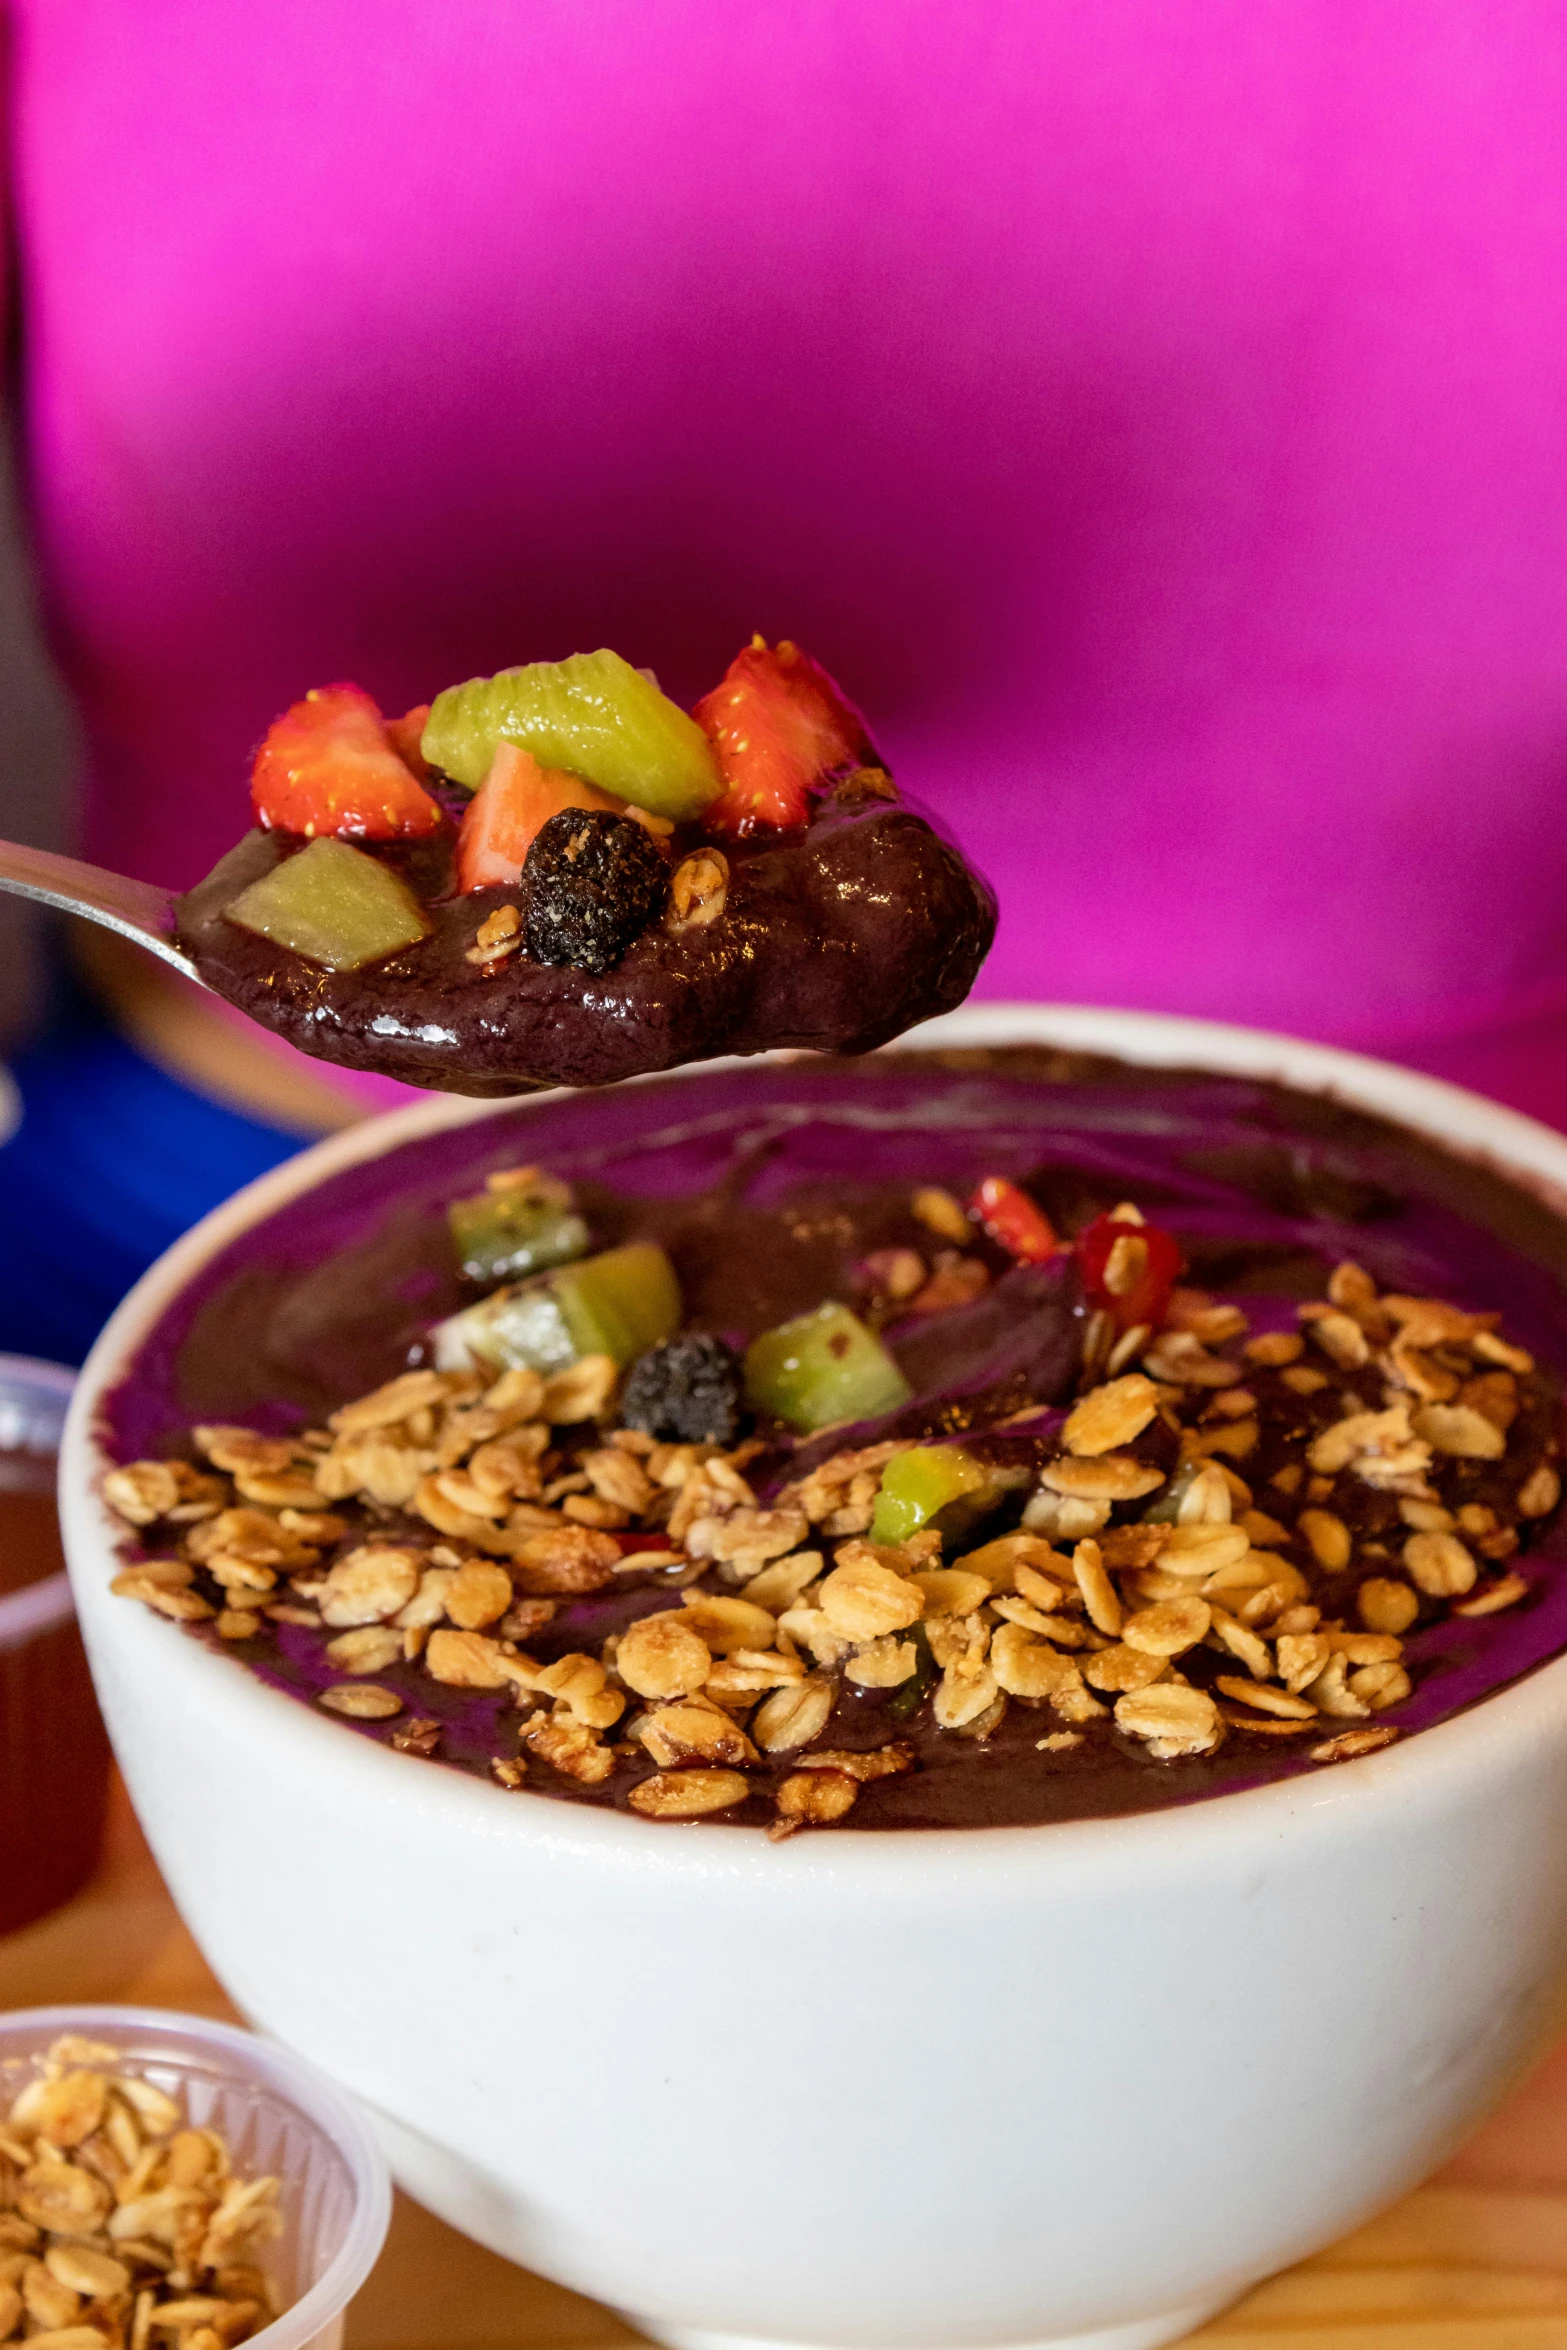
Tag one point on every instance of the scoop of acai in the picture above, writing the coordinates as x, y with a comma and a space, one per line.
555, 876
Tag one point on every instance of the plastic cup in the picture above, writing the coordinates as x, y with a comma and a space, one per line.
54, 1756
277, 2114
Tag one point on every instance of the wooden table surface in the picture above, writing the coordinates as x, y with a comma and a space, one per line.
1475, 2260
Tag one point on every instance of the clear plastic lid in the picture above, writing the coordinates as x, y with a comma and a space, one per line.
277, 2114
33, 1400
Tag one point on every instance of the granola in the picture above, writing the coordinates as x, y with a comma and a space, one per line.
120, 2224
1226, 1540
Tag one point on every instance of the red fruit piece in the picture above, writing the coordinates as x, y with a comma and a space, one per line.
779, 726
515, 799
1129, 1269
1013, 1221
404, 735
328, 765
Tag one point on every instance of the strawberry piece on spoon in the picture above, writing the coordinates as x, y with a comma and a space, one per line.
330, 765
779, 727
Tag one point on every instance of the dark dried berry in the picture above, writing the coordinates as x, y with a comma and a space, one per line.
594, 881
686, 1391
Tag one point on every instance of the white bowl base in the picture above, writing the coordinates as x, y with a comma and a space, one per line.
1147, 2333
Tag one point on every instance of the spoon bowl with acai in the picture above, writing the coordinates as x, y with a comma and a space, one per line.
556, 876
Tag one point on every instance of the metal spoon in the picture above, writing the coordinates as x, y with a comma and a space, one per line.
136, 909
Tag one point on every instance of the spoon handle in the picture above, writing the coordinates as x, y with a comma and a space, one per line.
135, 909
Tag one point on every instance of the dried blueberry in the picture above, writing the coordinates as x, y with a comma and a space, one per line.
593, 882
685, 1391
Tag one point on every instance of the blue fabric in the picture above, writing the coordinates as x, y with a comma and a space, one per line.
113, 1160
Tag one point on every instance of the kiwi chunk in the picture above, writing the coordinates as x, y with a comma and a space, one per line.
821, 1367
621, 1303
934, 1485
521, 1223
618, 1304
333, 905
594, 716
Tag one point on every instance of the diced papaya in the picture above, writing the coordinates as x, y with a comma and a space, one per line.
404, 735
515, 800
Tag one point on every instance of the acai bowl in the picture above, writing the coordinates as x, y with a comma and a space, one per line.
1085, 2009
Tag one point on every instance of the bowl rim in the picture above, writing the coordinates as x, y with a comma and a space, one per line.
318, 2099
1421, 1767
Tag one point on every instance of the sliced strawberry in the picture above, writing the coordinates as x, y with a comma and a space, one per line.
513, 801
779, 727
1013, 1221
328, 766
1129, 1268
405, 734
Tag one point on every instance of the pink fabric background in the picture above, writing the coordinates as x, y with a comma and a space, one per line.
1156, 413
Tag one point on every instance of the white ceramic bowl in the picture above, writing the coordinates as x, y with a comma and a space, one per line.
1079, 2083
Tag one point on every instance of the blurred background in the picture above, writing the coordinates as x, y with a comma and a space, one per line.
1156, 415
40, 757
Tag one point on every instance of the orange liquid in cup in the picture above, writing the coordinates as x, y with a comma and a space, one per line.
54, 1755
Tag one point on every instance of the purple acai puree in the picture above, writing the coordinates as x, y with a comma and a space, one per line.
834, 937
768, 1186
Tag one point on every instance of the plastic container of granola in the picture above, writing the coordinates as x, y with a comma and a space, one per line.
54, 1756
276, 2114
